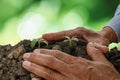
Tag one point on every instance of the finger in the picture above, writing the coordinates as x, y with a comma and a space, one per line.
58, 54
35, 79
62, 56
60, 35
43, 72
95, 53
25, 57
103, 48
48, 61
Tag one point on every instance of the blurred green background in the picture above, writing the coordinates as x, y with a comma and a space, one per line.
28, 19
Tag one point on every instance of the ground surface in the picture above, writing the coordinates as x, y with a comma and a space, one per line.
11, 57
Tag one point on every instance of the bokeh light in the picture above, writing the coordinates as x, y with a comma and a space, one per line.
29, 19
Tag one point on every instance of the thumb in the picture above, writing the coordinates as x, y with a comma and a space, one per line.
103, 48
95, 53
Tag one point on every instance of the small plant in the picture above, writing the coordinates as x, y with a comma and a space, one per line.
71, 39
38, 42
114, 45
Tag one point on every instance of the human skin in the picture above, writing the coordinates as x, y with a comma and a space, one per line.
103, 37
51, 64
57, 65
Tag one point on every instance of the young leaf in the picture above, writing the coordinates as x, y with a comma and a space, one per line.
33, 43
67, 37
42, 41
75, 39
45, 42
71, 39
39, 44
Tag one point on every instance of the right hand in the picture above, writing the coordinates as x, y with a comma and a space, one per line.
57, 65
80, 32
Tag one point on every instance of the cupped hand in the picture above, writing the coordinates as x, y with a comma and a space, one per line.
80, 32
57, 65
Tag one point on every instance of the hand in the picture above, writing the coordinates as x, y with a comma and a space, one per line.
57, 65
104, 37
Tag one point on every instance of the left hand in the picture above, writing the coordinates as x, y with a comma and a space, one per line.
57, 65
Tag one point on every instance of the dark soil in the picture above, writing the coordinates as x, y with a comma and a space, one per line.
11, 57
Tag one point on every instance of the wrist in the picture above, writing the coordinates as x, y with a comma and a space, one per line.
109, 33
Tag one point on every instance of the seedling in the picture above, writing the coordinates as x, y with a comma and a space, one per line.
38, 42
71, 39
33, 43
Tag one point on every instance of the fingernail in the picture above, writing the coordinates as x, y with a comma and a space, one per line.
26, 55
26, 63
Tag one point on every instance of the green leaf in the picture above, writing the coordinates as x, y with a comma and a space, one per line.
71, 39
75, 39
33, 43
39, 44
67, 37
45, 42
42, 41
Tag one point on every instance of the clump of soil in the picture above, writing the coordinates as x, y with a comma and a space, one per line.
11, 57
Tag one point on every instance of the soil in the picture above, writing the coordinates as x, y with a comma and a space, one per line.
11, 57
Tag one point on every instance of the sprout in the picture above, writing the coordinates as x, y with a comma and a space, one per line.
38, 41
71, 39
42, 41
33, 43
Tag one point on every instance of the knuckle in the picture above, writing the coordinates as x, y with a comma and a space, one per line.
83, 61
77, 59
50, 75
56, 52
50, 61
97, 51
31, 57
32, 68
87, 63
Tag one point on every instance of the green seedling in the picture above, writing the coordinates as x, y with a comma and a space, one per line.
33, 43
42, 41
71, 39
38, 42
114, 45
